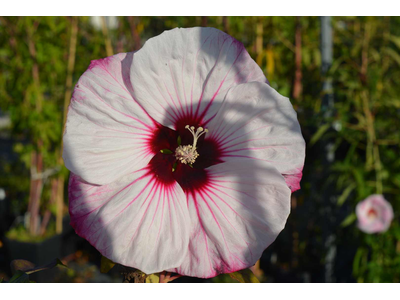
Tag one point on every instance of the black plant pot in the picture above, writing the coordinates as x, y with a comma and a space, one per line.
70, 240
38, 253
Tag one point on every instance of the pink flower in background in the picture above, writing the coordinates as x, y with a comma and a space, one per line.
374, 214
182, 156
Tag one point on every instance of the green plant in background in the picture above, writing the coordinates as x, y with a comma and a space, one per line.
40, 64
38, 58
32, 83
36, 79
366, 76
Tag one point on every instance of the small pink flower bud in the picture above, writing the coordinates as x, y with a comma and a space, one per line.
374, 214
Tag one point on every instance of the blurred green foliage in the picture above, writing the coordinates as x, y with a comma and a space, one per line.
20, 234
365, 73
364, 128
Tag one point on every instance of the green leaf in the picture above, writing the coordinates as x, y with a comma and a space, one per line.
319, 133
21, 265
359, 262
166, 151
395, 40
244, 276
153, 278
19, 277
174, 166
50, 265
223, 278
22, 268
106, 265
395, 56
345, 194
349, 219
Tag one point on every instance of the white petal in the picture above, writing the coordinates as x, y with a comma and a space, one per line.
235, 217
186, 72
134, 221
256, 122
107, 133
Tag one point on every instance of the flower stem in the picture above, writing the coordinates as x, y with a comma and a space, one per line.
107, 39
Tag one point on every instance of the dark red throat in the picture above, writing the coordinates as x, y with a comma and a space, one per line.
193, 178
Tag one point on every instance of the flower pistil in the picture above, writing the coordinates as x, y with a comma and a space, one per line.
187, 154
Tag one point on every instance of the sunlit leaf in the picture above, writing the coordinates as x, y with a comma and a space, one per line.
106, 265
244, 276
153, 278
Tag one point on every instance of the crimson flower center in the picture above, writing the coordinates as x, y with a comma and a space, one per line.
188, 157
372, 214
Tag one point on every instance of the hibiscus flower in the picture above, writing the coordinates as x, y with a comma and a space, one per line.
182, 157
374, 214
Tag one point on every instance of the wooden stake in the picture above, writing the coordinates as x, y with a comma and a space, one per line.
298, 86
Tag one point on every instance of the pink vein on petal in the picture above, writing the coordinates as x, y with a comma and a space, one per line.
105, 69
222, 82
101, 100
194, 73
206, 83
202, 229
171, 117
176, 91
